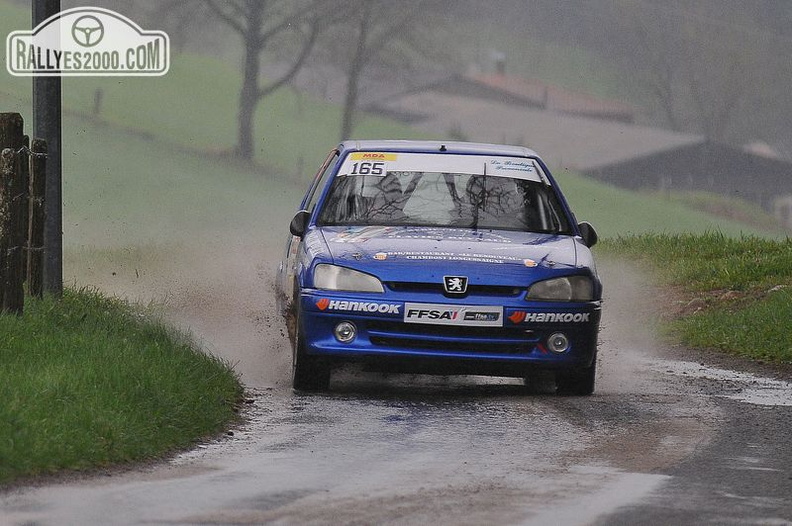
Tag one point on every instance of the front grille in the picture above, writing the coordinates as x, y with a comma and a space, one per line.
478, 348
437, 288
485, 340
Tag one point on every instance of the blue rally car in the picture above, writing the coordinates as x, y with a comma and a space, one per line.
440, 258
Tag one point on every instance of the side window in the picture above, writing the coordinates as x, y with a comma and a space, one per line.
321, 180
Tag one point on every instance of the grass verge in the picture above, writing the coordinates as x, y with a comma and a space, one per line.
90, 382
736, 293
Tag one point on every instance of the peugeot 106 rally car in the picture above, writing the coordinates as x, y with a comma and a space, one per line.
440, 258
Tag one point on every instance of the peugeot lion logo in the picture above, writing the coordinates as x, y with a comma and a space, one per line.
455, 284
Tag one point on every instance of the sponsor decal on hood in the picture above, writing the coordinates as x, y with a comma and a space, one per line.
410, 244
497, 259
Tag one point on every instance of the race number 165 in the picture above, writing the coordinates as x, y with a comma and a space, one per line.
368, 168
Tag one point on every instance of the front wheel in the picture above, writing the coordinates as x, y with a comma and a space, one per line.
579, 382
308, 372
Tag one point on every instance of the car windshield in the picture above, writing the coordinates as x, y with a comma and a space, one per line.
415, 198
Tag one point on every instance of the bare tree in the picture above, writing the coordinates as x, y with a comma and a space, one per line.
260, 23
656, 54
699, 69
721, 77
374, 24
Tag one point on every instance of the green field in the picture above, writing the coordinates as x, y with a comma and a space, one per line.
617, 212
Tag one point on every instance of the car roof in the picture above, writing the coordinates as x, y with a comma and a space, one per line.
437, 147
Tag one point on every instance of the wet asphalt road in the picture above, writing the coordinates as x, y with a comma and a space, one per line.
744, 476
665, 440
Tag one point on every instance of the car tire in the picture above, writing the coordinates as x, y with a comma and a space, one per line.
309, 373
579, 382
540, 382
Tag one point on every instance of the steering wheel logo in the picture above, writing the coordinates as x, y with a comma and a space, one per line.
88, 31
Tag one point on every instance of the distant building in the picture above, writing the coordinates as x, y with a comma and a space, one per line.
613, 151
572, 130
708, 167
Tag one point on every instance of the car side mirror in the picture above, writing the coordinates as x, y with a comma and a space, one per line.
299, 223
588, 233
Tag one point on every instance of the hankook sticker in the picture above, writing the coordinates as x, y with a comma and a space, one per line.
326, 304
549, 317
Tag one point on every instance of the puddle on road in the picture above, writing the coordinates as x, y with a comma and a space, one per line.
606, 490
740, 386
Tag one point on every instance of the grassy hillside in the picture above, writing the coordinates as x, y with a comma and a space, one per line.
149, 165
618, 212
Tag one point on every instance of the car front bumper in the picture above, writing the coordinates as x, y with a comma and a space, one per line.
449, 336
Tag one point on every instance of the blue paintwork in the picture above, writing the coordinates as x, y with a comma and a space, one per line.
425, 255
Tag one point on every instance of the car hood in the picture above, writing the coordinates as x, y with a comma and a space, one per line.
428, 253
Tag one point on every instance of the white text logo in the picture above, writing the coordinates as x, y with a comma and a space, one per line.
88, 41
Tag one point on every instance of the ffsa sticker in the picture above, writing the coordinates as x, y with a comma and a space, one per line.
473, 316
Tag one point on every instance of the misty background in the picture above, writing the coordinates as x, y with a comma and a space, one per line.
719, 68
685, 100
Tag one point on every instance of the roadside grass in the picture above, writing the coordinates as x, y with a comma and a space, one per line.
735, 293
759, 331
89, 382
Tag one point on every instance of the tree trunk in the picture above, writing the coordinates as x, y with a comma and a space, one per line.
354, 72
350, 103
249, 94
35, 238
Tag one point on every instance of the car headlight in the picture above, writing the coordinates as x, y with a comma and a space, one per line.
570, 288
332, 277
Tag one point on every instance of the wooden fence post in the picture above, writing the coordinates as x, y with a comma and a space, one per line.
11, 131
10, 250
12, 140
35, 234
6, 169
22, 201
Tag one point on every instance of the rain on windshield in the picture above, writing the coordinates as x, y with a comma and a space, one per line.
443, 199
